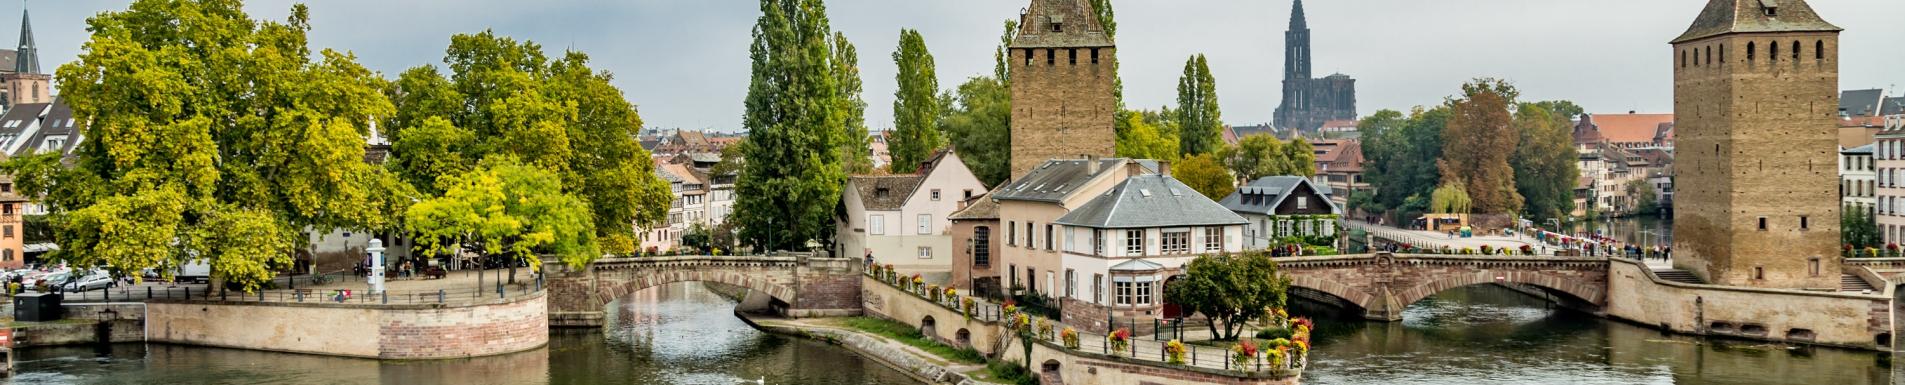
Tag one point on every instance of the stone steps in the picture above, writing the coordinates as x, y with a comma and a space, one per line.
1677, 275
1852, 283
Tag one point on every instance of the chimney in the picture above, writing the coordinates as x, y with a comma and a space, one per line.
1091, 164
1164, 168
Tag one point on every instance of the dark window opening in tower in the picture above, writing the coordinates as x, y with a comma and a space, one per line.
1051, 56
1723, 54
1074, 55
1819, 50
1709, 59
1749, 51
1094, 56
1058, 27
1028, 57
1795, 50
1683, 58
1772, 51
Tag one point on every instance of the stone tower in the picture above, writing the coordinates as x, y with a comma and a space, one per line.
1062, 74
1755, 98
1308, 102
25, 84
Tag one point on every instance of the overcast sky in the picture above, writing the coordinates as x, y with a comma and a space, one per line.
684, 62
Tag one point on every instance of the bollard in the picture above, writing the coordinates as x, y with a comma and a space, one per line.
1193, 356
299, 295
1156, 335
439, 295
188, 293
148, 292
386, 296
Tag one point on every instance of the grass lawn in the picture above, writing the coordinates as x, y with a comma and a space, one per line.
911, 337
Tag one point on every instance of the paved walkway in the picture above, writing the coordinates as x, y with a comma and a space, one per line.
1431, 239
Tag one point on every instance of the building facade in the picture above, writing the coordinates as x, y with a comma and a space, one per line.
1124, 246
975, 244
1755, 90
1308, 103
905, 220
1030, 207
1279, 208
1857, 175
1888, 158
1063, 67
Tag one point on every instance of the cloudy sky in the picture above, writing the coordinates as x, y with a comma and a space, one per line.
684, 62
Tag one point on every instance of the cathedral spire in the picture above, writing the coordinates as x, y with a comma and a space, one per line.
28, 61
1296, 17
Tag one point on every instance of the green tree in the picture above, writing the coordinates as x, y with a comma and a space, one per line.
1545, 162
1204, 174
506, 98
915, 107
1645, 197
1859, 228
1261, 155
793, 175
1230, 290
978, 118
222, 141
1401, 153
856, 153
1479, 141
506, 209
1564, 109
1199, 119
1451, 198
1143, 140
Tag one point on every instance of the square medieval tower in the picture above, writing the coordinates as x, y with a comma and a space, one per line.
1063, 68
1755, 98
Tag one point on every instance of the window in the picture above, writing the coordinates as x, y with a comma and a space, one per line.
1058, 27
1012, 271
1073, 53
1098, 288
982, 246
1094, 56
1130, 293
1749, 51
1683, 59
6, 187
1098, 242
1124, 293
1030, 236
881, 192
935, 195
1213, 239
9, 232
876, 224
1795, 50
1051, 56
1071, 239
1803, 223
1772, 51
1819, 50
1302, 203
1133, 242
1071, 284
1175, 242
1049, 245
925, 223
1028, 57
1011, 233
1759, 272
968, 194
1723, 54
1762, 223
1813, 266
1709, 51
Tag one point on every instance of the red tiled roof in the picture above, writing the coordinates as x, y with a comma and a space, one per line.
1629, 128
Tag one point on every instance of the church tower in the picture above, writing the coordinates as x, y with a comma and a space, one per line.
1755, 98
26, 84
1062, 75
1309, 103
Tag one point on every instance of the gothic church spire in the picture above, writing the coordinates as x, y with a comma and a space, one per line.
1297, 21
28, 61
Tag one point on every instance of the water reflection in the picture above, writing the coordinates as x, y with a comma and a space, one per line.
676, 334
1486, 334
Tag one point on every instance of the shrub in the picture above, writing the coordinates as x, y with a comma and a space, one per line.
1271, 334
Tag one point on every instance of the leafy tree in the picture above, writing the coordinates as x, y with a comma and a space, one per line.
698, 237
505, 208
1401, 153
1645, 197
1564, 109
502, 97
1261, 155
1230, 289
1480, 139
1198, 116
856, 153
1142, 140
1544, 161
1859, 228
1203, 174
795, 124
915, 108
222, 141
1001, 67
978, 117
1451, 198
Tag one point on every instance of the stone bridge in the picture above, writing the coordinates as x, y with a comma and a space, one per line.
802, 285
1381, 285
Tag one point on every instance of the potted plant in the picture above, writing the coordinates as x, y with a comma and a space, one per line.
952, 296
933, 291
1243, 354
966, 304
1120, 340
918, 282
1044, 329
1527, 250
1070, 337
1174, 352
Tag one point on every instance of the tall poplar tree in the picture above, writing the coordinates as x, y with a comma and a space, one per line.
793, 175
915, 105
1200, 121
856, 155
1544, 162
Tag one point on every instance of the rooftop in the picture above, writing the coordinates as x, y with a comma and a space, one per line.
1740, 16
1629, 127
1055, 179
1275, 189
1150, 201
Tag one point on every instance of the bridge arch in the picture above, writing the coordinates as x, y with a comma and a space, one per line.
1350, 295
1582, 291
607, 291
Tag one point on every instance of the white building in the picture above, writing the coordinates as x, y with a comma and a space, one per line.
903, 220
1856, 178
1123, 247
1889, 160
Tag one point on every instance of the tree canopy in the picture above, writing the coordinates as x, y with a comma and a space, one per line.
506, 208
792, 179
221, 141
503, 97
1204, 174
856, 153
1545, 162
915, 105
1230, 289
1479, 142
1200, 121
1141, 139
978, 119
1262, 155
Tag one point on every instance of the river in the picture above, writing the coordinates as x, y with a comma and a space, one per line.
686, 334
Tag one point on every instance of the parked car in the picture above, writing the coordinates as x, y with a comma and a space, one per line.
95, 281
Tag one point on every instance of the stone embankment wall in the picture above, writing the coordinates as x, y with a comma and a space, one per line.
356, 330
1823, 318
888, 302
85, 324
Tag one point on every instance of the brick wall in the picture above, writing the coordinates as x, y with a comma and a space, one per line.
464, 331
370, 331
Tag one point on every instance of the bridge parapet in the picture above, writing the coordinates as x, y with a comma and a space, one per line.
801, 284
1383, 284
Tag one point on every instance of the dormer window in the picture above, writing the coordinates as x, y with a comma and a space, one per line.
1058, 27
880, 192
1771, 7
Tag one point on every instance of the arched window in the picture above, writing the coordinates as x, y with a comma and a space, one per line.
1749, 51
1683, 58
1772, 51
1709, 55
1819, 50
1795, 50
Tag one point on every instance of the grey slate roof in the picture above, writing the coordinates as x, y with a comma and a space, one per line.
1278, 188
898, 188
1150, 201
1055, 179
1866, 150
1731, 16
1860, 102
981, 207
58, 121
1080, 25
1892, 106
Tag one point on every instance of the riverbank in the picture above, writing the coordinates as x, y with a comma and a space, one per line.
923, 366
